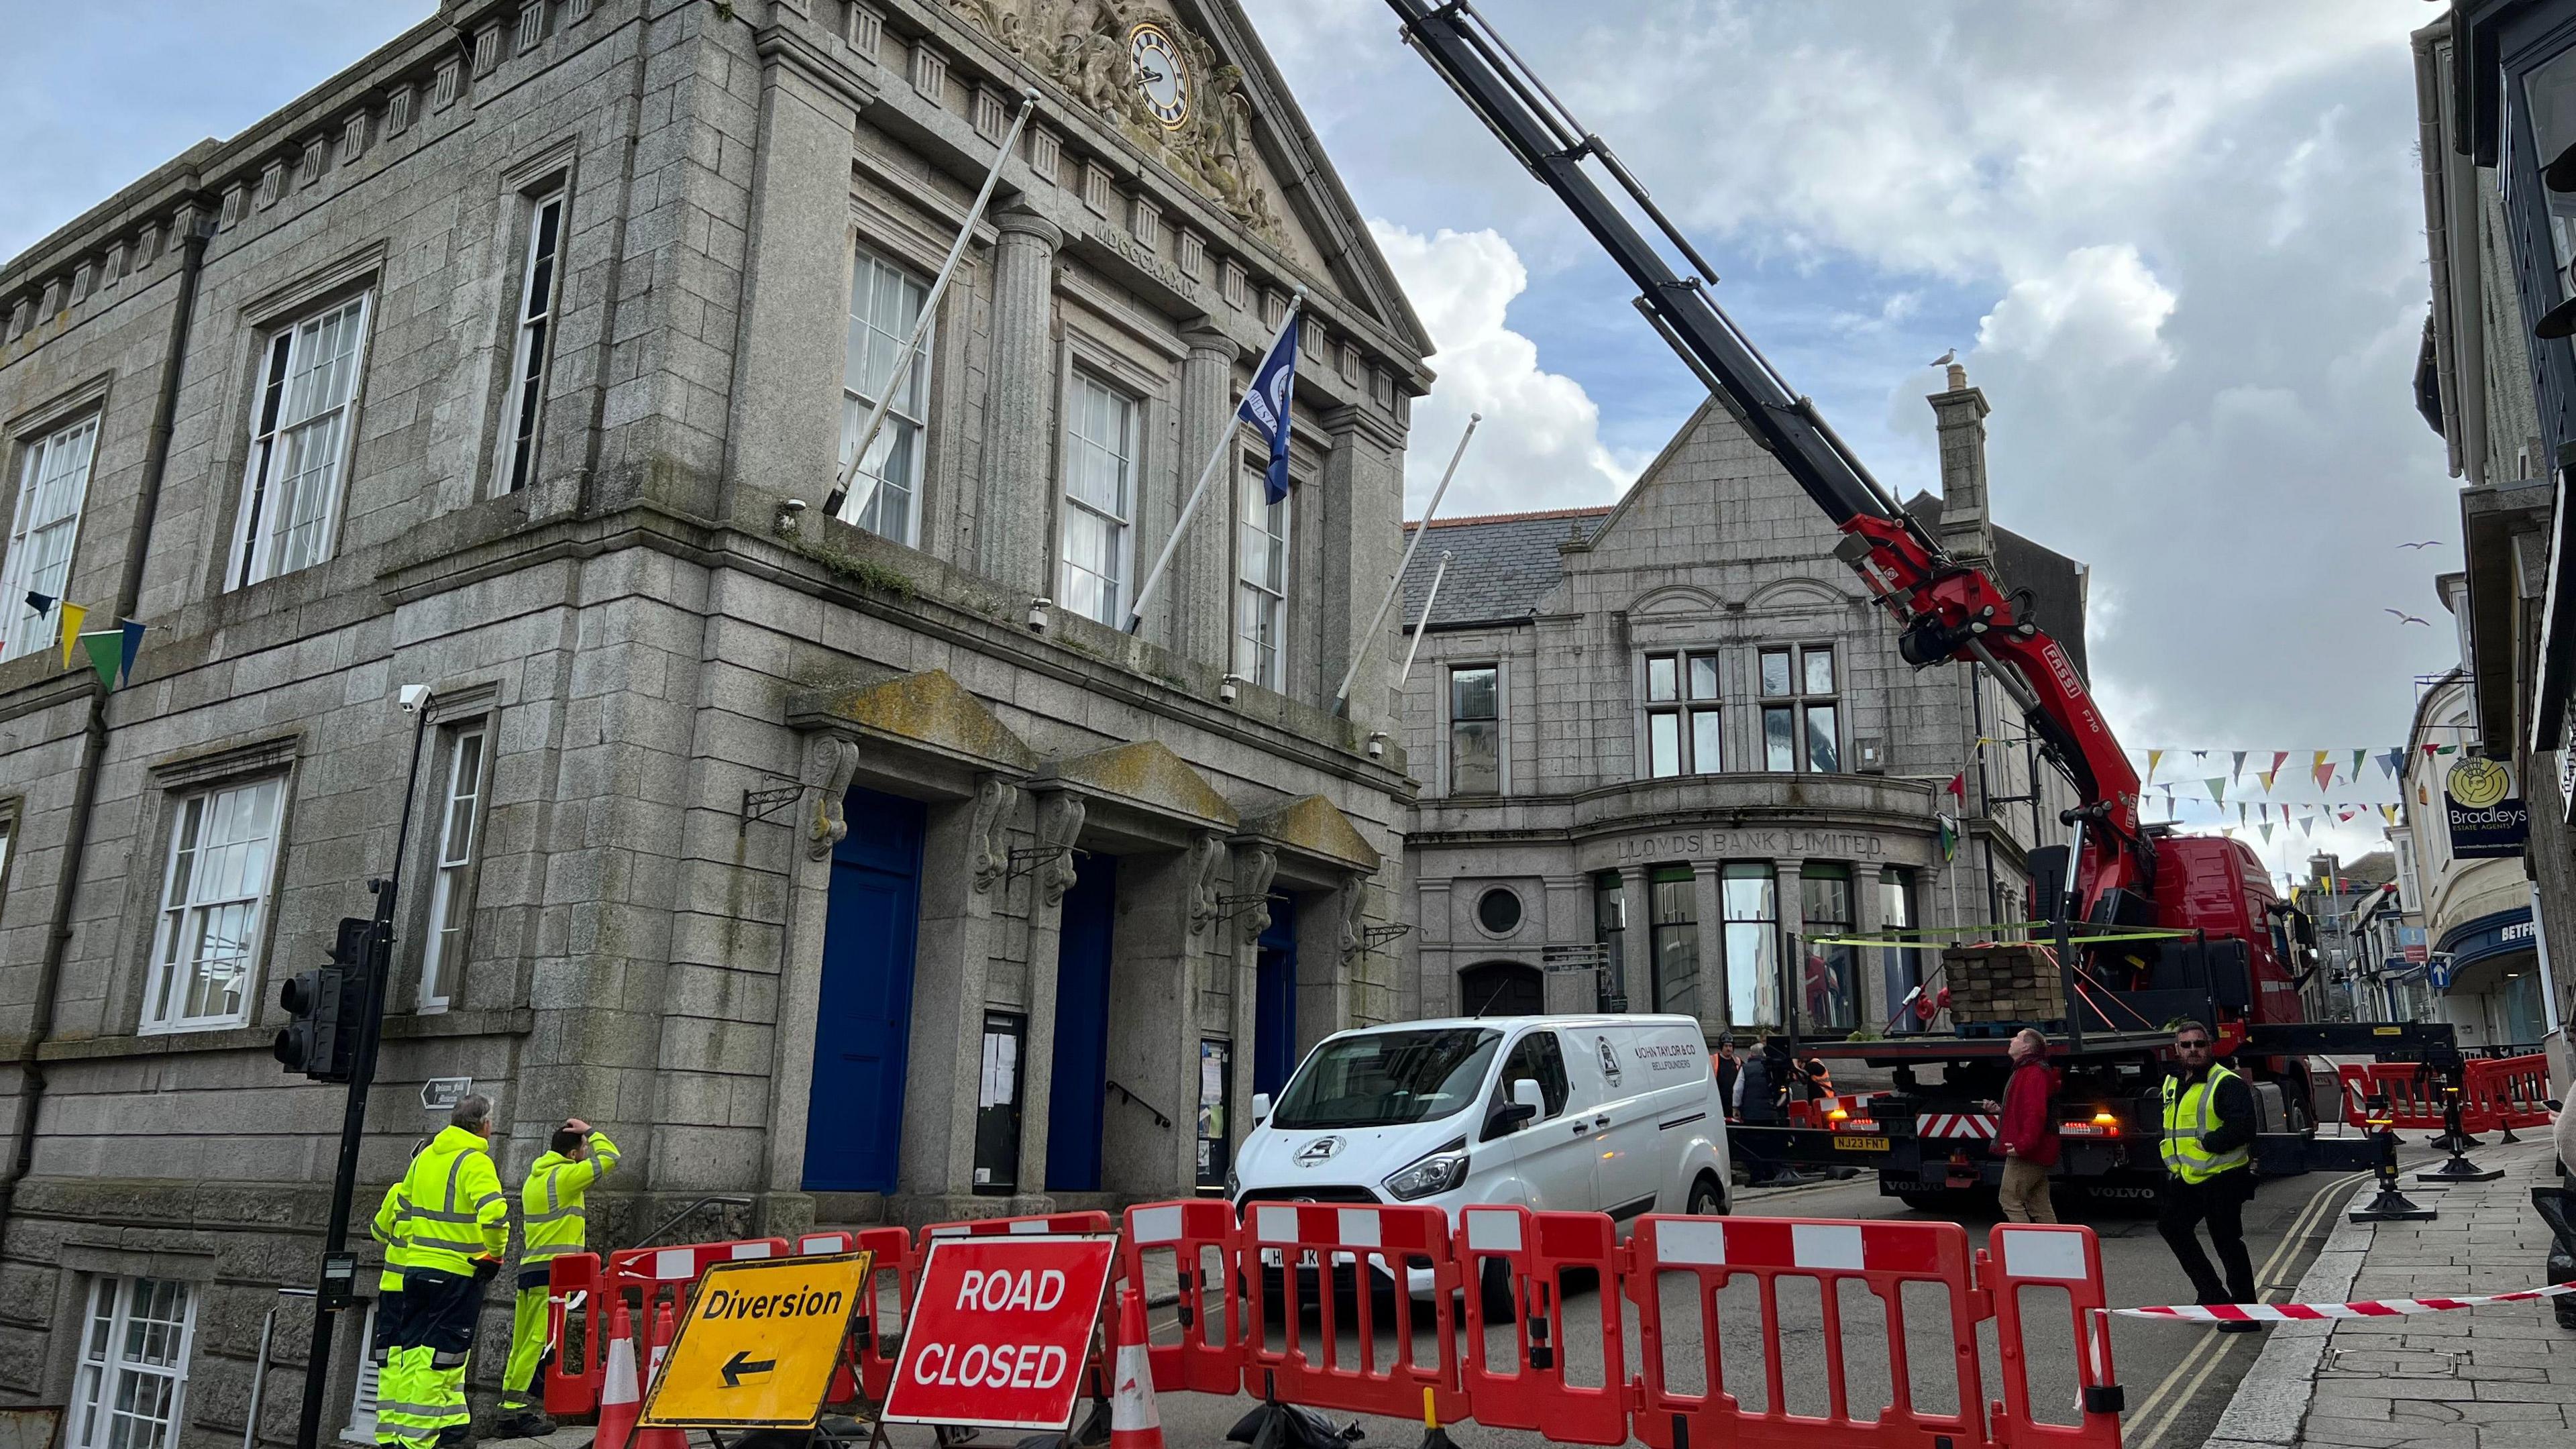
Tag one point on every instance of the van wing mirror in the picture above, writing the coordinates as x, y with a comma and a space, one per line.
1260, 1108
1526, 1093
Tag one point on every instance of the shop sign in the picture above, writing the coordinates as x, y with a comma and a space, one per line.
2486, 817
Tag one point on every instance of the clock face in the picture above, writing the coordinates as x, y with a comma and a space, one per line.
1167, 79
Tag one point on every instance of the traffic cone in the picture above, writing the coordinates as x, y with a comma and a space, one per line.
1135, 1420
664, 1330
620, 1398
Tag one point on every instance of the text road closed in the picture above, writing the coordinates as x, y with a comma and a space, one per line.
998, 1332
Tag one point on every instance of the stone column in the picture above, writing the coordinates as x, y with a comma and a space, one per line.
1060, 817
1255, 868
786, 422
1167, 919
1874, 962
960, 879
1195, 614
1016, 503
1639, 941
1708, 904
1435, 963
1360, 540
1790, 989
1567, 921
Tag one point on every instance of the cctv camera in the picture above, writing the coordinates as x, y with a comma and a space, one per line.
413, 697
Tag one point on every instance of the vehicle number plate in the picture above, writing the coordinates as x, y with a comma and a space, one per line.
1855, 1142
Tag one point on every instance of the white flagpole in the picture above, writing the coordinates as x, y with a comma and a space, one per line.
1224, 445
921, 327
1424, 623
1368, 638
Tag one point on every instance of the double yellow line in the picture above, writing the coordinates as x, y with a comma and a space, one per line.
2189, 1375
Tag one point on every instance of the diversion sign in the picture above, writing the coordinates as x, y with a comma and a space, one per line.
999, 1330
759, 1344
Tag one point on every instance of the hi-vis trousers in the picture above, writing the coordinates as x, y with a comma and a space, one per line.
420, 1391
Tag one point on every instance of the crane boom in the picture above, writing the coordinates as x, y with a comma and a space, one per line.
1947, 610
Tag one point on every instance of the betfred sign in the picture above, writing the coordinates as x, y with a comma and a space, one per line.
999, 1330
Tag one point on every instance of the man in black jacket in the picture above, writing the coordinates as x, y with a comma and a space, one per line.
1727, 1068
2209, 1128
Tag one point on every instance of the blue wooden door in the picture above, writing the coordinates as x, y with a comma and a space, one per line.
863, 1022
1274, 1001
1078, 1090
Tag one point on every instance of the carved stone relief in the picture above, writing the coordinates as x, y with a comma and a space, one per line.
1354, 917
1254, 868
830, 761
991, 838
1207, 857
1060, 816
1085, 48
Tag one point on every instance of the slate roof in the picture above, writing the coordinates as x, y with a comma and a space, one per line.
1506, 563
2055, 581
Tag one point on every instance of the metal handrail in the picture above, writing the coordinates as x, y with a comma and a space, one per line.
682, 1216
1159, 1119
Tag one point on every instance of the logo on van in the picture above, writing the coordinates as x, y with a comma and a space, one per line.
1609, 1060
1321, 1149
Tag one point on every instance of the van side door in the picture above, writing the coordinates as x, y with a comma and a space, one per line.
1657, 1101
1552, 1153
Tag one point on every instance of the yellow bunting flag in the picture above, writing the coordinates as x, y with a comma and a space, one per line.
73, 616
2153, 758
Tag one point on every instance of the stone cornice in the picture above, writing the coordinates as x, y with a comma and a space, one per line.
781, 46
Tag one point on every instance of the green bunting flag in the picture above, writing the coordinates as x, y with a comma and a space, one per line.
2218, 788
2357, 757
1949, 837
105, 651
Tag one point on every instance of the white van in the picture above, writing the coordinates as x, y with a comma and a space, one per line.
1613, 1114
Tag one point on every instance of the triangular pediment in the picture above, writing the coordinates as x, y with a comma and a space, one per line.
928, 711
1216, 115
1315, 826
1148, 776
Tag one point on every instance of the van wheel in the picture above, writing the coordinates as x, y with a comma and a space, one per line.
1494, 1291
1707, 1199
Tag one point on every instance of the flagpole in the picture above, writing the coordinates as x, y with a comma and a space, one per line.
1368, 637
921, 325
1224, 445
1424, 623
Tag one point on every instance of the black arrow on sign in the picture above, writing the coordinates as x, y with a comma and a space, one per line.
742, 1363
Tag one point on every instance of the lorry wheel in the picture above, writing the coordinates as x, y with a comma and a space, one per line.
1707, 1199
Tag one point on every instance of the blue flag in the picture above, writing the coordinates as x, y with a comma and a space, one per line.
1265, 406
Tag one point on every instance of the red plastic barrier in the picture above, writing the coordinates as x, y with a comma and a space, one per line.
2069, 1258
1208, 1357
1882, 1256
665, 1275
1310, 1250
2415, 1100
572, 1378
1526, 1255
1082, 1222
2510, 1091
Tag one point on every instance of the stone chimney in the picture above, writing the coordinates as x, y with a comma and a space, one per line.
1965, 531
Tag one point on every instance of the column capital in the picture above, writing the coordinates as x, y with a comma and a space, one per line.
1208, 339
1021, 221
1357, 418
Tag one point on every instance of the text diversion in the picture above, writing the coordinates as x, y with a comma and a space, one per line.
1002, 1366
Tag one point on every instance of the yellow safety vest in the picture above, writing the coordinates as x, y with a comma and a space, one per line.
2190, 1113
550, 1204
452, 1207
388, 1229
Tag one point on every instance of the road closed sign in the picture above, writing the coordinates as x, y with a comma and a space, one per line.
758, 1346
998, 1332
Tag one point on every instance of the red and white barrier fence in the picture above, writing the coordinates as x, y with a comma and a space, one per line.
2321, 1312
2496, 1094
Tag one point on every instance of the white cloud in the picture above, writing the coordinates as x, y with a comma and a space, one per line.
2099, 305
1540, 443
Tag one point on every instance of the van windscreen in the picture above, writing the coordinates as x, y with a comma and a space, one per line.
1387, 1078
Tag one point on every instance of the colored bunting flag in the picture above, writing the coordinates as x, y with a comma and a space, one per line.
2344, 813
1959, 786
2236, 774
2240, 812
1949, 838
43, 604
2218, 788
130, 643
73, 615
2323, 771
2200, 757
2388, 813
2267, 832
2154, 757
2307, 825
103, 651
2357, 757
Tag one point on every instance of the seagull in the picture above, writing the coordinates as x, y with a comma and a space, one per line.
2428, 543
1945, 359
2406, 618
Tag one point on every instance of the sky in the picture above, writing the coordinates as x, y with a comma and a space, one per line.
2179, 246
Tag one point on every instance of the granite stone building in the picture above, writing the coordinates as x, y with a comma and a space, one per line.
1656, 739
817, 832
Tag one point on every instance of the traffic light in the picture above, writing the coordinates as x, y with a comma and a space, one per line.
326, 1008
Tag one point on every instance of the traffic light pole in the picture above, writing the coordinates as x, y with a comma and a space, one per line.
331, 1297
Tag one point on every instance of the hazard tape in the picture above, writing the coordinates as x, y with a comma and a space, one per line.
2316, 1312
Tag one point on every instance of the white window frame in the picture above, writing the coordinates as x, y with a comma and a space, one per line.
444, 938
1451, 721
277, 445
40, 543
910, 409
1080, 448
1798, 702
1684, 708
1261, 608
532, 348
106, 1363
181, 916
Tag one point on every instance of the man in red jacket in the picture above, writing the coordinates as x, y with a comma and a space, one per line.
2027, 1135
